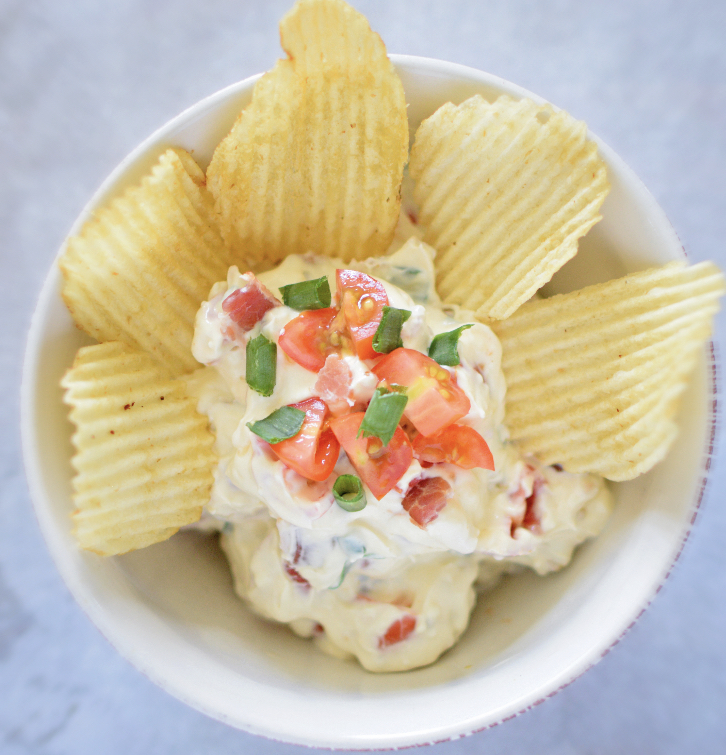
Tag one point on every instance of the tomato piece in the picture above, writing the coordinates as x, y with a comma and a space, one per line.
398, 631
361, 300
456, 444
314, 451
425, 498
246, 306
333, 384
380, 467
306, 338
434, 399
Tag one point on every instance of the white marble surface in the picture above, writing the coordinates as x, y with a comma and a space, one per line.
82, 82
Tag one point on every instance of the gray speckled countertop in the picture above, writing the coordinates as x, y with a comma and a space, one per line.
83, 82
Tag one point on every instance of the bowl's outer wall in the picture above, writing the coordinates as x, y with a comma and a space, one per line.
171, 611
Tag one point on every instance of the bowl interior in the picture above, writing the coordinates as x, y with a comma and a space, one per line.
170, 609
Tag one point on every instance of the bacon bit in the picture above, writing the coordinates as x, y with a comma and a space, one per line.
247, 306
295, 575
298, 553
529, 518
425, 498
333, 384
412, 217
398, 631
318, 629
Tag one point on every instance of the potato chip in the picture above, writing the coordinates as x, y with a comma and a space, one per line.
144, 458
594, 376
315, 162
140, 268
505, 191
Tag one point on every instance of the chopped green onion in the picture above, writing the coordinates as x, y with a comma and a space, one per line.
382, 415
444, 347
261, 367
348, 492
282, 424
388, 335
307, 295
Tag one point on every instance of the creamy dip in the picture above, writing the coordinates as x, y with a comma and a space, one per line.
376, 584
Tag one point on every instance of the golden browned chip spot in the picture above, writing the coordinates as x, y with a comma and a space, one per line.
139, 475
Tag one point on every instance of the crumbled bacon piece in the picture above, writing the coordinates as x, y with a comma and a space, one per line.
295, 575
529, 518
247, 306
425, 498
333, 384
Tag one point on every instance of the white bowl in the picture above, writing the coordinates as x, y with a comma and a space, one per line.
171, 611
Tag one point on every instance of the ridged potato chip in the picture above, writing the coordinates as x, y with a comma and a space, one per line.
140, 268
315, 162
594, 376
505, 191
145, 458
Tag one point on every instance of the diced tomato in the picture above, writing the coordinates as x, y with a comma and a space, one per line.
307, 338
434, 399
333, 384
246, 306
314, 451
456, 444
398, 631
380, 467
361, 300
425, 498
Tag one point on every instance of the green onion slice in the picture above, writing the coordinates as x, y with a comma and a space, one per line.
307, 295
388, 335
282, 424
348, 492
383, 415
261, 370
444, 347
